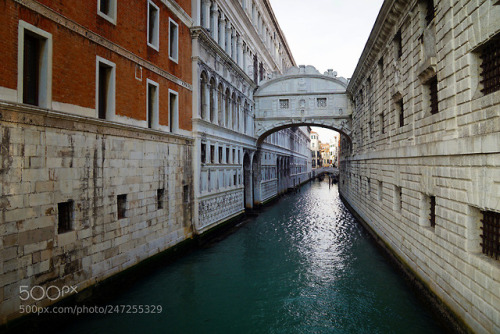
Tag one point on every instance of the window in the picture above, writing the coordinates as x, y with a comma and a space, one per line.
203, 153
160, 196
185, 193
490, 62
212, 154
65, 217
153, 25
107, 10
433, 95
152, 107
173, 41
227, 155
401, 112
34, 84
234, 156
398, 45
429, 11
321, 102
234, 179
121, 206
284, 104
220, 154
173, 108
105, 89
381, 120
381, 67
398, 198
432, 211
490, 240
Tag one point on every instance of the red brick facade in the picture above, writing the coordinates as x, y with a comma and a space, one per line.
74, 55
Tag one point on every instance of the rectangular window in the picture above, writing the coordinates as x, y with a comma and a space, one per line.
203, 153
398, 44
34, 66
227, 155
173, 41
381, 67
121, 206
65, 216
321, 102
398, 198
152, 107
432, 211
490, 237
107, 10
220, 154
433, 95
212, 154
401, 112
429, 11
284, 103
234, 179
160, 194
153, 25
239, 157
105, 90
234, 156
185, 193
381, 120
490, 64
173, 108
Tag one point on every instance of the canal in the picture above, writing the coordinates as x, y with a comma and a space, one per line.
303, 265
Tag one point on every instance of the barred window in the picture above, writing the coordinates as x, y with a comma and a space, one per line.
490, 238
490, 64
432, 213
321, 102
284, 104
433, 89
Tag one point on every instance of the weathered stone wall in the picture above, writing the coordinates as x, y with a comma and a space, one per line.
49, 158
403, 153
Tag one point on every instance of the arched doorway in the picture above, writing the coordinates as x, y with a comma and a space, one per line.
247, 182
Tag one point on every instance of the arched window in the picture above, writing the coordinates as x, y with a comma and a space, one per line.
235, 114
228, 108
238, 114
245, 118
220, 102
213, 93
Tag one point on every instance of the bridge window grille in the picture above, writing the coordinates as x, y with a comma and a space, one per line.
65, 216
432, 213
321, 102
284, 103
490, 65
490, 237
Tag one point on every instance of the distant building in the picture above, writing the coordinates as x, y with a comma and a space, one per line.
315, 150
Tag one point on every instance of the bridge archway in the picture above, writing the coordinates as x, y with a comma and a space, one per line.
302, 97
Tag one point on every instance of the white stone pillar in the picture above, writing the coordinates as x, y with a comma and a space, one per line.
233, 45
239, 48
244, 59
215, 22
207, 102
196, 12
222, 32
205, 7
228, 38
223, 109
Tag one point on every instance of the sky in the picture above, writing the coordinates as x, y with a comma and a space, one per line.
328, 34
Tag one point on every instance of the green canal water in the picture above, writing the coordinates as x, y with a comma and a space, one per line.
303, 265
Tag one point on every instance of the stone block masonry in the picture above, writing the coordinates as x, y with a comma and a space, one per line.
422, 168
109, 174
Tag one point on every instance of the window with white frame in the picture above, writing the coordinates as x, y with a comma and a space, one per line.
173, 41
321, 102
173, 111
105, 88
107, 10
152, 104
34, 84
153, 25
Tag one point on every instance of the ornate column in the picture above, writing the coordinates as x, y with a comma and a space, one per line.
215, 22
228, 38
205, 7
207, 102
233, 45
222, 31
239, 49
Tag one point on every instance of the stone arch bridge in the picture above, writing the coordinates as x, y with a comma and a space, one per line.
302, 96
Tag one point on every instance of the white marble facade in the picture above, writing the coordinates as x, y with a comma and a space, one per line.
235, 48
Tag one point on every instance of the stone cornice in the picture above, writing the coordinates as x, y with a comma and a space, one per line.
200, 33
98, 39
32, 115
179, 12
382, 30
